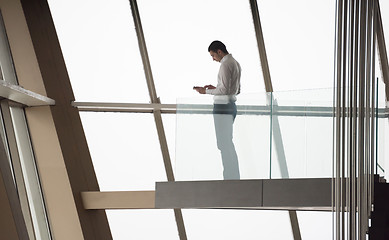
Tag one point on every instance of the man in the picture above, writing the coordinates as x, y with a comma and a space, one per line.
224, 111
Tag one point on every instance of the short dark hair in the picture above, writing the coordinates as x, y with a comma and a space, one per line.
217, 45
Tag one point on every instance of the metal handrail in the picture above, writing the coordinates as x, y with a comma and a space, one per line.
295, 111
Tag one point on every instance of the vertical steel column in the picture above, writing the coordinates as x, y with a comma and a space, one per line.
269, 88
370, 118
361, 120
373, 106
157, 113
343, 106
357, 20
339, 61
348, 104
354, 127
367, 114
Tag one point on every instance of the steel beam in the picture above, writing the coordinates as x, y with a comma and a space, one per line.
157, 113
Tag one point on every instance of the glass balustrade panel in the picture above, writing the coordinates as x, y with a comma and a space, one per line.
197, 152
382, 127
280, 135
302, 134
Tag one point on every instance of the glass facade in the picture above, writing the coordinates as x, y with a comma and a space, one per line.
285, 134
124, 146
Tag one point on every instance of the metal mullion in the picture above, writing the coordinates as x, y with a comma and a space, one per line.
361, 122
342, 96
127, 110
124, 107
16, 167
261, 46
338, 78
162, 139
143, 51
198, 108
366, 120
342, 38
12, 201
156, 106
353, 97
269, 88
373, 131
369, 101
359, 140
350, 95
157, 113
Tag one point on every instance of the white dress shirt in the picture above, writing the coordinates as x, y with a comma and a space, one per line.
228, 80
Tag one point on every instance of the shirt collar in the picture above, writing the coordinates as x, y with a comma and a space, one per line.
225, 58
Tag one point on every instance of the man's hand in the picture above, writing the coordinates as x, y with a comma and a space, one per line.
200, 90
209, 87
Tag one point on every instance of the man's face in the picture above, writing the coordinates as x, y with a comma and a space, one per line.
216, 56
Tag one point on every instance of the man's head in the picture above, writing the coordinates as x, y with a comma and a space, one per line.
217, 50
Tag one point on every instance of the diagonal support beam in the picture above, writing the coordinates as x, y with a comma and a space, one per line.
261, 46
383, 56
157, 113
269, 88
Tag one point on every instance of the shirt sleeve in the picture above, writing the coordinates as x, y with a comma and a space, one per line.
223, 81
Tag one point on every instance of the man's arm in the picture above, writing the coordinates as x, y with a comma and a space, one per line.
224, 77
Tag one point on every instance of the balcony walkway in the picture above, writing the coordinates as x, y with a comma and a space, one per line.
313, 194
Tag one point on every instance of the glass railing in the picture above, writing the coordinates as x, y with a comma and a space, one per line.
382, 138
382, 130
302, 130
275, 135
